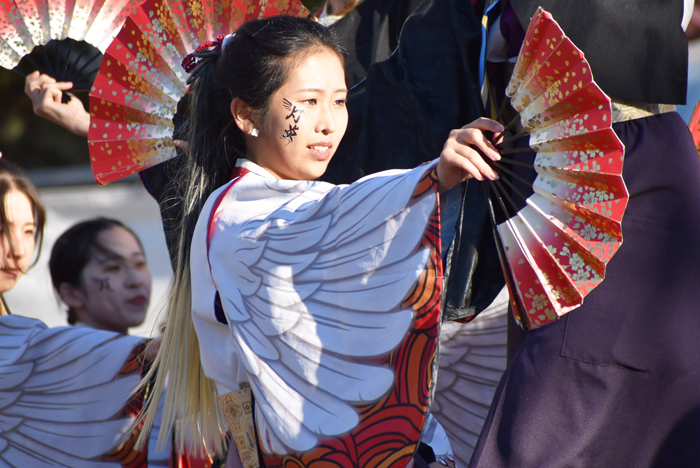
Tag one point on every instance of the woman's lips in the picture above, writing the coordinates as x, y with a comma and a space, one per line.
139, 301
11, 272
321, 150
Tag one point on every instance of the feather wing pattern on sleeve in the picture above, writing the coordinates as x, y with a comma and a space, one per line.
472, 361
311, 278
60, 399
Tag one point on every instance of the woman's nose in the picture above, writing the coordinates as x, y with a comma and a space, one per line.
135, 277
326, 122
15, 248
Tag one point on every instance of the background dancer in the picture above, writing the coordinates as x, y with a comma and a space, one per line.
615, 382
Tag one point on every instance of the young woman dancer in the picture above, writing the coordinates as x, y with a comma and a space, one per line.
616, 382
22, 218
294, 289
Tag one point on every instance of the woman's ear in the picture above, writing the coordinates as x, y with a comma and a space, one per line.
243, 116
72, 296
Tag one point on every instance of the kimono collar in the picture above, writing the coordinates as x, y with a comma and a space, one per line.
246, 163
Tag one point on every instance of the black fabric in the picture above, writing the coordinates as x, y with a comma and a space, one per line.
400, 117
419, 462
219, 310
474, 274
370, 33
159, 181
617, 382
637, 48
426, 453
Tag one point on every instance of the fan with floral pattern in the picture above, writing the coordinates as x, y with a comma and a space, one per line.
141, 79
559, 224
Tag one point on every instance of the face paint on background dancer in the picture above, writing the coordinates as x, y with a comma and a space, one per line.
102, 284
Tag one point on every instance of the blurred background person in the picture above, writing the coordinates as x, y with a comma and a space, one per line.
22, 219
98, 269
70, 195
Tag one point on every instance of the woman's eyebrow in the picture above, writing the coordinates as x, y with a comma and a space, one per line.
110, 257
318, 90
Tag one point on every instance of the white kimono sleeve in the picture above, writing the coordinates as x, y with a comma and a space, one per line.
61, 396
310, 278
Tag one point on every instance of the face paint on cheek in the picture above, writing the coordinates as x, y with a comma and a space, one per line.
102, 284
295, 116
294, 113
291, 132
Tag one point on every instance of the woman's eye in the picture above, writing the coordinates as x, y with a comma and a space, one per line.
311, 101
111, 268
340, 102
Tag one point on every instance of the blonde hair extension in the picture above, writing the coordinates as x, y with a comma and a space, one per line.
191, 400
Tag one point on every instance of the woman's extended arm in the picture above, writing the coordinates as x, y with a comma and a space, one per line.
46, 93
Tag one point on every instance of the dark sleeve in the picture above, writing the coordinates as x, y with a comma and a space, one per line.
159, 181
400, 117
637, 48
370, 33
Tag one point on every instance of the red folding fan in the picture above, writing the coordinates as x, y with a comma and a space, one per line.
141, 79
557, 234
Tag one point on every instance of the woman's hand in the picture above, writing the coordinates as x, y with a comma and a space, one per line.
460, 160
46, 93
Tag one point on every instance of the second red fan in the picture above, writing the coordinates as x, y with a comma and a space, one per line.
141, 79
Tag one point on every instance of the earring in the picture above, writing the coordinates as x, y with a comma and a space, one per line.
255, 133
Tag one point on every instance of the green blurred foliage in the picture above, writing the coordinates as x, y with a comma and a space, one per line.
29, 140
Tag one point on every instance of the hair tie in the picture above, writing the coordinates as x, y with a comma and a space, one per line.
226, 40
190, 61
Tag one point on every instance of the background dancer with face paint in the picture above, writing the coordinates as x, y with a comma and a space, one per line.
99, 270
